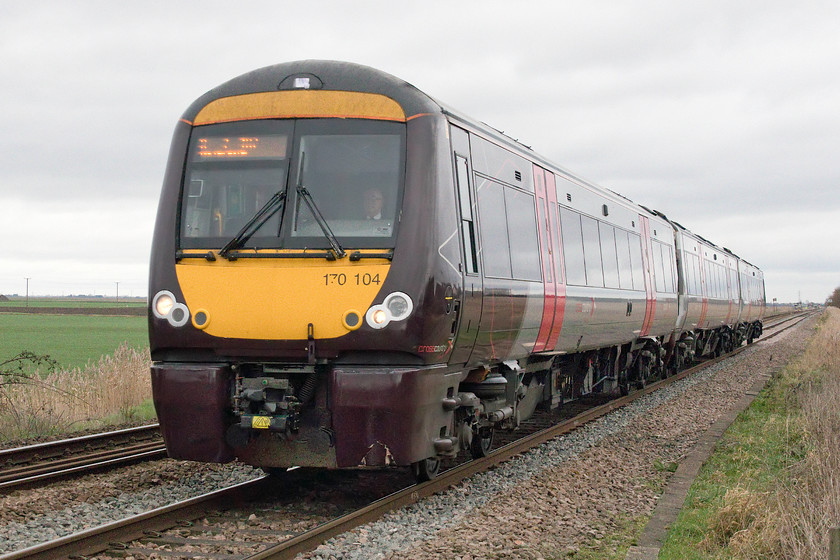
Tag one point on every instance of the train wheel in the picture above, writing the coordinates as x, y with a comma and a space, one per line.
426, 469
642, 374
623, 383
481, 443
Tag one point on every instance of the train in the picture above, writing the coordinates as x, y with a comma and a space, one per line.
348, 273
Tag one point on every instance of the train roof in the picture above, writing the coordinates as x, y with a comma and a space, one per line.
322, 74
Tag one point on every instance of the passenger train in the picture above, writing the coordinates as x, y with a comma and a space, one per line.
346, 272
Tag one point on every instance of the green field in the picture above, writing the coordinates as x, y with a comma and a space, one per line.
71, 340
92, 303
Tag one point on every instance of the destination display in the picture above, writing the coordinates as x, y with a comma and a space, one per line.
241, 147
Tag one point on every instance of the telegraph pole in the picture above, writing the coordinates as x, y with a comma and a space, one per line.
118, 291
27, 291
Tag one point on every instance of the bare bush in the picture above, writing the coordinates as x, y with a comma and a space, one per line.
834, 299
20, 375
37, 401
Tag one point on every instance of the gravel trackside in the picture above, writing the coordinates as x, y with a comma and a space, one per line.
579, 491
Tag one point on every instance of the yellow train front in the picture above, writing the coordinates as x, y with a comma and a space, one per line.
303, 274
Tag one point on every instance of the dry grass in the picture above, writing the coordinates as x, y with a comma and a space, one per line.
36, 404
808, 501
792, 518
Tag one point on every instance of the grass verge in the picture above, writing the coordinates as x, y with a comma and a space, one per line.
770, 490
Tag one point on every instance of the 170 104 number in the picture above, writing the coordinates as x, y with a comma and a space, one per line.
341, 279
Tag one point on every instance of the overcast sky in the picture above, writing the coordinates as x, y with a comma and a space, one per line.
724, 115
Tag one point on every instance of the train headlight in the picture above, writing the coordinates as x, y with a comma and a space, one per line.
164, 306
377, 317
179, 315
399, 305
396, 307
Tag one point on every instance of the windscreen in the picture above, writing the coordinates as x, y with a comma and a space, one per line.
340, 177
232, 171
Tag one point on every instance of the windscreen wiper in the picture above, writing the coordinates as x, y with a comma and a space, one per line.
304, 193
274, 204
339, 251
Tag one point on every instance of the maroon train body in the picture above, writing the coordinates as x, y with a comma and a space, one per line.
346, 272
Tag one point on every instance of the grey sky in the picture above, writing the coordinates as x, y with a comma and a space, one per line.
724, 115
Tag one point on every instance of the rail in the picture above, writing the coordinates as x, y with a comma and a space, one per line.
33, 464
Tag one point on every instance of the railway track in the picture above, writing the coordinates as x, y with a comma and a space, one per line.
35, 464
173, 526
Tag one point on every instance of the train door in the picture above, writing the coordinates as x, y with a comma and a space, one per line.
470, 305
554, 303
650, 285
704, 291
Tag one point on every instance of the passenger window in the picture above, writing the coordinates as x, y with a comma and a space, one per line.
667, 268
689, 273
522, 233
718, 283
592, 252
572, 247
702, 281
609, 255
733, 281
715, 281
728, 278
658, 271
698, 273
625, 269
493, 227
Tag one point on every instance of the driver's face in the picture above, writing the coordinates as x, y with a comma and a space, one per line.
373, 203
